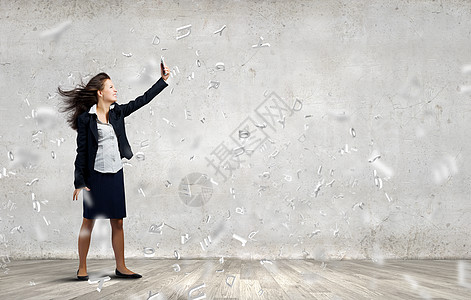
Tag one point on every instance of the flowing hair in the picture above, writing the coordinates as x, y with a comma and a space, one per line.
81, 98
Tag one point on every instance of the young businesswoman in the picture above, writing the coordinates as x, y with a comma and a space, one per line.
101, 144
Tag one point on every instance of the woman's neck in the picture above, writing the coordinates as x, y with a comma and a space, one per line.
102, 111
103, 108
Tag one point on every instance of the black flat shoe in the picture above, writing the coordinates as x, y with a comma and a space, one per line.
82, 277
121, 275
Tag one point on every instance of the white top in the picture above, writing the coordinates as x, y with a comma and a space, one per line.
108, 159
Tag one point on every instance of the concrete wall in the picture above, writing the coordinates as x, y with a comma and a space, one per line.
304, 186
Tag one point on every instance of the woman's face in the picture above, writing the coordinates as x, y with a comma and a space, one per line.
109, 92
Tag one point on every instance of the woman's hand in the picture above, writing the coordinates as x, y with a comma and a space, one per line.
163, 71
77, 192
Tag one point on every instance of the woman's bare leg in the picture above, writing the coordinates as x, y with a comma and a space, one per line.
84, 244
117, 240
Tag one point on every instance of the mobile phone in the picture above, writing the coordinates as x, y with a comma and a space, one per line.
162, 65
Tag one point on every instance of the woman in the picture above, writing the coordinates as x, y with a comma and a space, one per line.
101, 144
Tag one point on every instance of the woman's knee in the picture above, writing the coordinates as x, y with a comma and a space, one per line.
116, 223
88, 223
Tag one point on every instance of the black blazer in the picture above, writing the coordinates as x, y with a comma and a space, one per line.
87, 133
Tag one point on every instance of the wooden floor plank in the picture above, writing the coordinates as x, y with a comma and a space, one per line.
226, 283
252, 279
416, 276
269, 287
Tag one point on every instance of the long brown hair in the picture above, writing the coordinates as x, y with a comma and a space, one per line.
81, 98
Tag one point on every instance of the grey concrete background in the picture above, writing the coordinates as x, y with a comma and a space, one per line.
396, 72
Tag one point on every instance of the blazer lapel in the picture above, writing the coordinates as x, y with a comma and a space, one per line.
113, 119
113, 123
94, 127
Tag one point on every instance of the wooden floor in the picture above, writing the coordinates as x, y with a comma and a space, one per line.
241, 279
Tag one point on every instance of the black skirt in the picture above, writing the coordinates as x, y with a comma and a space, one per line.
106, 199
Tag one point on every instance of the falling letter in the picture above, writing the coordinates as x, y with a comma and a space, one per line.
187, 27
